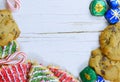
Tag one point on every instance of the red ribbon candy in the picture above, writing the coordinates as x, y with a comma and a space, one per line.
16, 58
13, 7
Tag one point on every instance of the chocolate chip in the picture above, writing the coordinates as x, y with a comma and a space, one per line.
92, 56
2, 32
2, 15
118, 29
16, 34
14, 30
13, 21
113, 29
8, 15
107, 41
103, 58
103, 72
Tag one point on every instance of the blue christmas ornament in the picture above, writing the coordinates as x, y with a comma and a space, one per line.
100, 79
113, 3
112, 15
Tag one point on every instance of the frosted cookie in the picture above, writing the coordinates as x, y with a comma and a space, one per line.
62, 75
105, 67
39, 73
8, 28
14, 73
9, 49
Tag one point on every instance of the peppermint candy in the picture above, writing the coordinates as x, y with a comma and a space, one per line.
16, 58
13, 6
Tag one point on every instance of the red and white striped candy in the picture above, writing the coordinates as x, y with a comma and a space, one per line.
18, 57
13, 7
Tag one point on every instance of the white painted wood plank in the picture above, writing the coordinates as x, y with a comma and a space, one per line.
2, 4
71, 51
59, 23
55, 6
61, 32
43, 16
56, 16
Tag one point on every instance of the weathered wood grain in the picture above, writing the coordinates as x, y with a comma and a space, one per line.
61, 32
70, 51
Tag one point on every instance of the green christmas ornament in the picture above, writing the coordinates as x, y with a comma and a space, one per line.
88, 75
98, 7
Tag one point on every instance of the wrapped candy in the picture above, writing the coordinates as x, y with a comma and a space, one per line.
113, 3
112, 15
13, 7
107, 1
88, 75
98, 7
100, 79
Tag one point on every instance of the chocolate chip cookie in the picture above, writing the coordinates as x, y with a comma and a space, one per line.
8, 28
105, 67
110, 41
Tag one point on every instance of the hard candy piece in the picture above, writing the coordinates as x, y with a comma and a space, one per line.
98, 7
113, 3
100, 79
112, 15
88, 75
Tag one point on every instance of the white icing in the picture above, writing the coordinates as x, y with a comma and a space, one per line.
36, 66
10, 49
23, 71
3, 54
43, 71
38, 77
33, 67
61, 74
7, 74
18, 73
12, 73
67, 76
2, 77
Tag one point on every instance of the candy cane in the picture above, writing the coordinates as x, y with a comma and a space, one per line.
14, 7
18, 57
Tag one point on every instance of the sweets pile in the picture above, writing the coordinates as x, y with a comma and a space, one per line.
13, 64
105, 60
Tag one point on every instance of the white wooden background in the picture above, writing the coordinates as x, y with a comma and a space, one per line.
60, 32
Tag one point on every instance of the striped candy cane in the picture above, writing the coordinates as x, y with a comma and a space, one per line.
13, 7
18, 57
